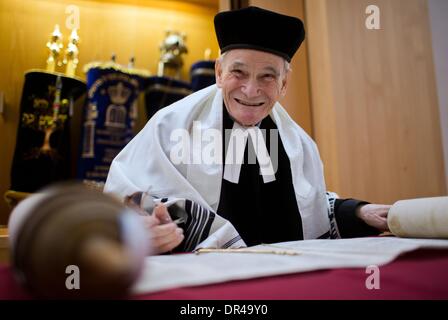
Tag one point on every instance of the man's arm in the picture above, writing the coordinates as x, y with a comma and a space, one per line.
357, 218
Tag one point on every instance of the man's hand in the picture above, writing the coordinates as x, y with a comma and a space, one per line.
375, 215
164, 233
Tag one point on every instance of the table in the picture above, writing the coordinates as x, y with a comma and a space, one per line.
422, 274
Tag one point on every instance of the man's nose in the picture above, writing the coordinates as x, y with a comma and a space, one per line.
251, 88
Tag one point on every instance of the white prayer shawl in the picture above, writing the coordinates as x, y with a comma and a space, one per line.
144, 166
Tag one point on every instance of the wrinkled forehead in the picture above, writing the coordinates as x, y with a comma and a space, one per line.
253, 59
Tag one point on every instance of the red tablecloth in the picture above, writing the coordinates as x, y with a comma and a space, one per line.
422, 274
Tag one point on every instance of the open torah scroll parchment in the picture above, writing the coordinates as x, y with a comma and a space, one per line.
174, 271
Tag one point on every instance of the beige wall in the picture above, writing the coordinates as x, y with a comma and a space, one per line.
438, 13
124, 27
375, 112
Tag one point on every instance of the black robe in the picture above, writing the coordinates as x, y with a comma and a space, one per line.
268, 212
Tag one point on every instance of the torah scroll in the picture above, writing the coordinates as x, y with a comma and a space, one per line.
419, 218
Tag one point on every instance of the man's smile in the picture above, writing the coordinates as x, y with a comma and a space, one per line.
249, 104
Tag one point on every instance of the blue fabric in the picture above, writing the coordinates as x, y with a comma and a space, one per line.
109, 116
163, 91
202, 74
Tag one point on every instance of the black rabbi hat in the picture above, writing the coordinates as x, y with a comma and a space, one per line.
259, 29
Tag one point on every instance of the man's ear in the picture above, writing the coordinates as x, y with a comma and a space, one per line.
218, 73
285, 82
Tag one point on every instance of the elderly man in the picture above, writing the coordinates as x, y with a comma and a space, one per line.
227, 163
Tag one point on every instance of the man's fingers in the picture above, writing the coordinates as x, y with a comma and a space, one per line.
384, 211
170, 246
170, 238
381, 224
168, 242
150, 221
163, 230
375, 215
161, 212
163, 233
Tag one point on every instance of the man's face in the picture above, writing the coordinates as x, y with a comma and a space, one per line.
252, 82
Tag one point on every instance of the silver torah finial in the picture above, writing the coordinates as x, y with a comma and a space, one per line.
171, 51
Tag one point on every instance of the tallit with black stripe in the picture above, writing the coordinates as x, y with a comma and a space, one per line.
144, 166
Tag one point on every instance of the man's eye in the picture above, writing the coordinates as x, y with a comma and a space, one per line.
237, 72
269, 77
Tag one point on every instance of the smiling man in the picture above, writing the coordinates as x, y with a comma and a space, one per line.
252, 82
266, 182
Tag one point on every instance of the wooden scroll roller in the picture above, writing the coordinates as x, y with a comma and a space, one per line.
72, 242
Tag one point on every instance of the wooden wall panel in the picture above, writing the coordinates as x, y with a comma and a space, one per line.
375, 112
224, 5
438, 13
124, 27
321, 88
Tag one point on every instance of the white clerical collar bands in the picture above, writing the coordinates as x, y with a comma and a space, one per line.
235, 153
